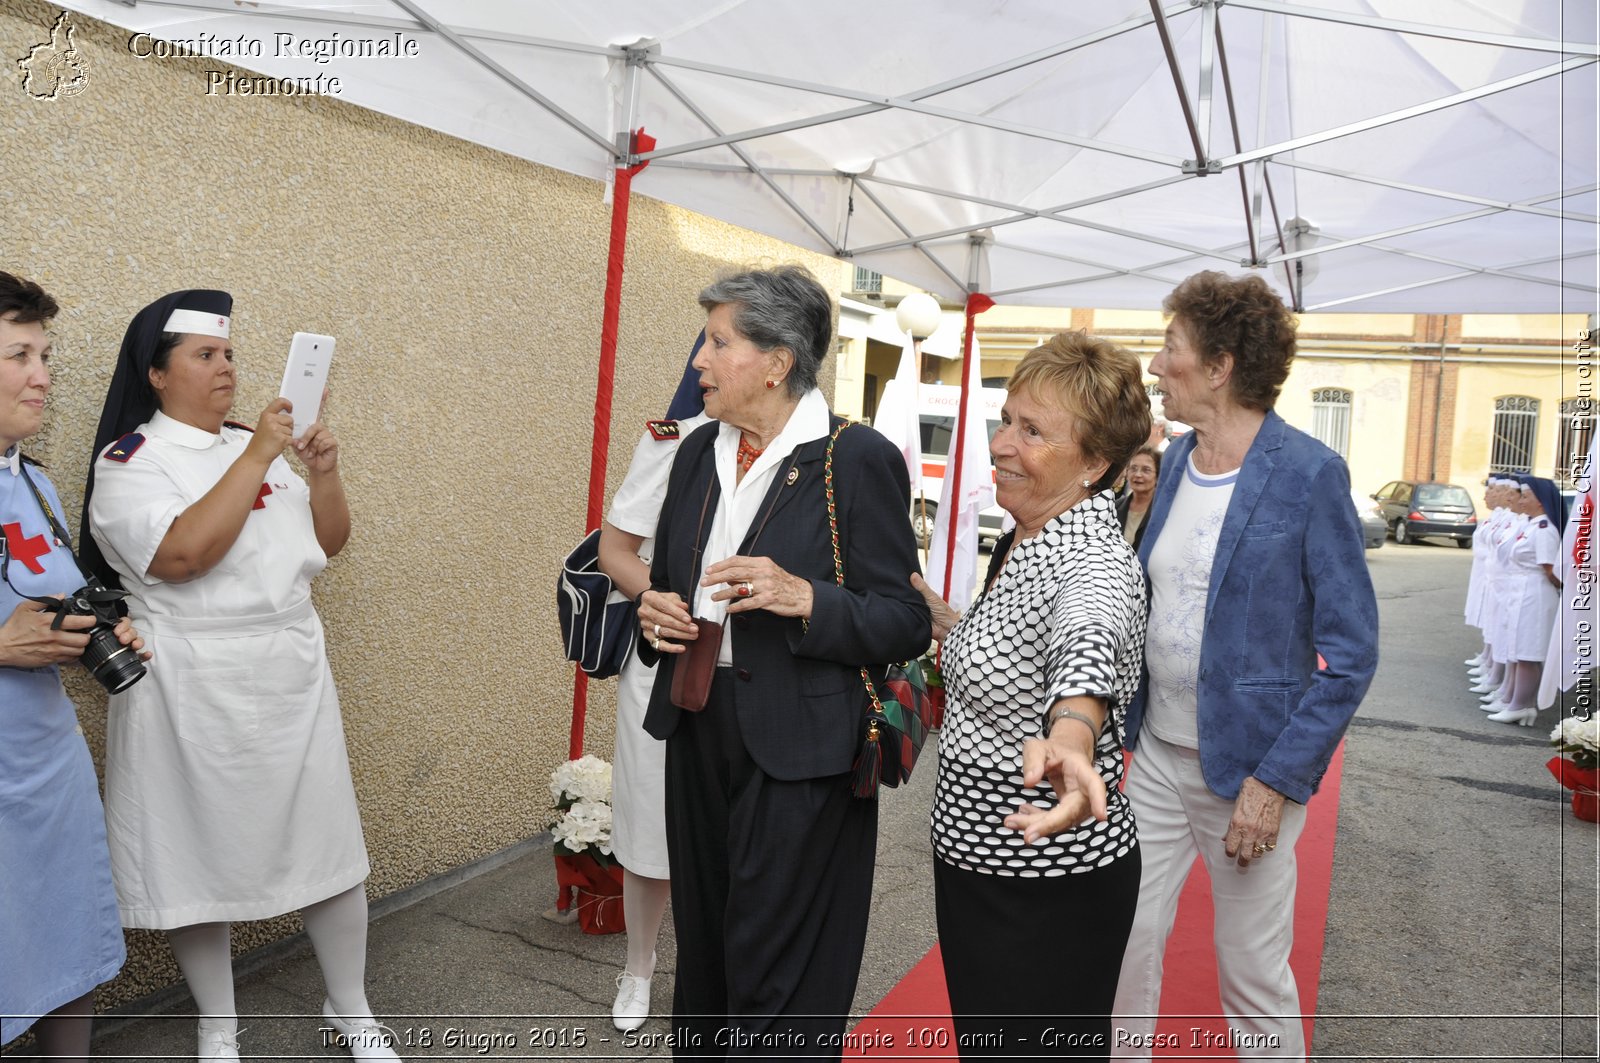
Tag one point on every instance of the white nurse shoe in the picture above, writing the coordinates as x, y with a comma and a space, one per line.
366, 1038
218, 1045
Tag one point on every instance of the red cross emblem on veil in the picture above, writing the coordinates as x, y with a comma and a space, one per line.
28, 551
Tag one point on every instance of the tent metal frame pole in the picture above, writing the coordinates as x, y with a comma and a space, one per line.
874, 104
1494, 271
1381, 120
1501, 40
729, 167
1210, 47
471, 51
1250, 220
882, 103
1388, 291
1359, 241
1198, 165
1147, 272
1527, 207
1019, 213
898, 224
745, 158
1027, 214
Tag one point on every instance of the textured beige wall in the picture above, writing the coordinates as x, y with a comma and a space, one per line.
465, 289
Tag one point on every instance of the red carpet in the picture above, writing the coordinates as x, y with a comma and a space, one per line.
912, 1020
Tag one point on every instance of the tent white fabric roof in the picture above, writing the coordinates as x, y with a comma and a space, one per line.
1376, 155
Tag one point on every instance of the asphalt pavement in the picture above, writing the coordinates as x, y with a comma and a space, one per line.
1461, 922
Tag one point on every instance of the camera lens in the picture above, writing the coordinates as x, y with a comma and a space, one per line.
116, 666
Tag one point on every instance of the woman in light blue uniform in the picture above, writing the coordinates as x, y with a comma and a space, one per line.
60, 933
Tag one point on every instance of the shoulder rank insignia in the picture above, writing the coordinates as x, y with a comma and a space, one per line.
124, 448
663, 430
240, 427
1543, 523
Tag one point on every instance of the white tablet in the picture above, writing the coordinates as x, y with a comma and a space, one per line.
305, 376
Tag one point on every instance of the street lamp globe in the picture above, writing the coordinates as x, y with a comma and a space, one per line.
918, 314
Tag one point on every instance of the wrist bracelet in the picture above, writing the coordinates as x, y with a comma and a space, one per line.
639, 598
1071, 714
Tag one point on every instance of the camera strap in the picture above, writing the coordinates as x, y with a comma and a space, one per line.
44, 503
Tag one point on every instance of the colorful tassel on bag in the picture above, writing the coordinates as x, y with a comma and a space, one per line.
868, 768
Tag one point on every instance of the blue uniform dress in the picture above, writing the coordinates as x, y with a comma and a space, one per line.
60, 935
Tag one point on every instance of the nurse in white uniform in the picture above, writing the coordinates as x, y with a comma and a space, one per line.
638, 777
1533, 592
228, 791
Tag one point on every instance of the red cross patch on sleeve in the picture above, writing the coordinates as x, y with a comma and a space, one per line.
662, 430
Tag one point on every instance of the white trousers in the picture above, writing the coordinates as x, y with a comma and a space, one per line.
1179, 819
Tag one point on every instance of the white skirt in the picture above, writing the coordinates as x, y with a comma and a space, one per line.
228, 792
638, 779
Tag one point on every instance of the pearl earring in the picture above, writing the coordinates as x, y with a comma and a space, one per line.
1088, 483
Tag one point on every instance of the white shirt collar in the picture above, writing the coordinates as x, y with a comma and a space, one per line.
808, 421
12, 459
174, 431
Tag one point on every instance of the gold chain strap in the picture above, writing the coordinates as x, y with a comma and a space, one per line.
838, 558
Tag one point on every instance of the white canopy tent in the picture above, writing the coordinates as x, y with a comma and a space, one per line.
1376, 155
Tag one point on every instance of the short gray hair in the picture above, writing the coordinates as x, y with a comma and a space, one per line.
783, 307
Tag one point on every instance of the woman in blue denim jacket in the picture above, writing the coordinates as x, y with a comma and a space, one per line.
1256, 566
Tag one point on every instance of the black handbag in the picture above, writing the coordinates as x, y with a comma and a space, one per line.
598, 624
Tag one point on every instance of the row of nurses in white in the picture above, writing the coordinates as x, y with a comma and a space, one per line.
638, 778
1483, 544
1524, 607
228, 790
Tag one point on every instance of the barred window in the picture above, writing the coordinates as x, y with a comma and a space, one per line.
1516, 427
1574, 435
1330, 418
868, 281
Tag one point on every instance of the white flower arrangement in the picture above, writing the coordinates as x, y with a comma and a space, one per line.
1581, 738
581, 789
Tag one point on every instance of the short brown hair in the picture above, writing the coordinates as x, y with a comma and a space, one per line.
1101, 385
1243, 317
24, 300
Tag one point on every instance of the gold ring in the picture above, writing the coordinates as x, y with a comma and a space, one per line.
655, 643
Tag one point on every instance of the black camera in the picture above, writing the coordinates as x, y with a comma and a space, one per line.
116, 666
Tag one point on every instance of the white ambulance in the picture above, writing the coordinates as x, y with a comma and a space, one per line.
937, 407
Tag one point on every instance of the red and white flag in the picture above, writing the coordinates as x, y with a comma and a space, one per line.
975, 482
1572, 639
897, 414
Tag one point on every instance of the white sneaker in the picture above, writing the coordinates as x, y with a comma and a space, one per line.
632, 1005
218, 1045
366, 1038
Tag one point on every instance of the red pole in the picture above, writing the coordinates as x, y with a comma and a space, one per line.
977, 303
639, 141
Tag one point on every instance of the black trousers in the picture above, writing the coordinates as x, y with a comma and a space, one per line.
771, 885
1032, 963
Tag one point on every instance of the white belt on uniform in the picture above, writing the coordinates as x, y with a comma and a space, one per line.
225, 627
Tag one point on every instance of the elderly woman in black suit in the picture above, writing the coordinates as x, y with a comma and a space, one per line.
772, 856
